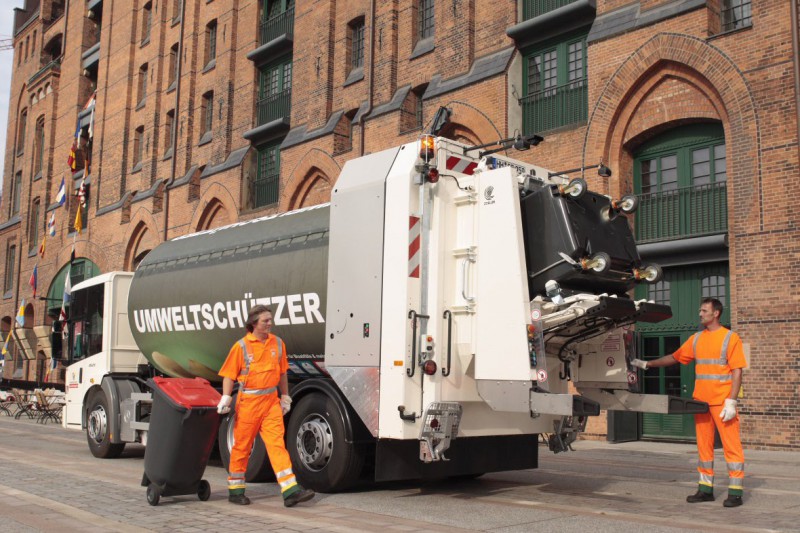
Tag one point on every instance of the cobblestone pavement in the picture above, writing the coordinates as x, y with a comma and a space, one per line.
50, 482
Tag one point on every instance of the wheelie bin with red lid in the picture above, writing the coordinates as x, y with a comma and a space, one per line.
183, 427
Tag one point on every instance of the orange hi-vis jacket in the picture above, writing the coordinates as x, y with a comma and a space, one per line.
267, 363
716, 354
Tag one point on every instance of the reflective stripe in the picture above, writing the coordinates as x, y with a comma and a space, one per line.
705, 464
738, 467
723, 355
236, 475
288, 483
735, 483
260, 392
706, 479
713, 377
283, 473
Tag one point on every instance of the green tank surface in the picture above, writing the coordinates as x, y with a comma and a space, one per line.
189, 297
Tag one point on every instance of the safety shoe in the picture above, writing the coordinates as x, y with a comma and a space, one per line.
700, 496
302, 495
239, 499
732, 501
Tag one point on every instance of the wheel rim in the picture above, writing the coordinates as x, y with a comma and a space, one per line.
314, 442
97, 424
600, 264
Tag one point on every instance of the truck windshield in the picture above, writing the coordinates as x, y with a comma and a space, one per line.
86, 323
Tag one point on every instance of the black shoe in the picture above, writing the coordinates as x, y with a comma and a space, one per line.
732, 501
700, 496
239, 499
302, 495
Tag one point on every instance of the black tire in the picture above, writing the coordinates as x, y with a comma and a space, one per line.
153, 494
204, 490
321, 459
259, 468
97, 430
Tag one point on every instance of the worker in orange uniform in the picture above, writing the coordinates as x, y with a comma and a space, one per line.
258, 363
719, 360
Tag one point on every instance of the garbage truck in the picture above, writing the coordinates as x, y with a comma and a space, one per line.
449, 309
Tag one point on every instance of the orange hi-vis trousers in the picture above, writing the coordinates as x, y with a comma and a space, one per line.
706, 424
259, 414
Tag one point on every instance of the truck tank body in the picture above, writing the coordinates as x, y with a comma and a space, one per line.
189, 297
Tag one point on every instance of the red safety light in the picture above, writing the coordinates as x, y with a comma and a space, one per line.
433, 175
429, 367
435, 423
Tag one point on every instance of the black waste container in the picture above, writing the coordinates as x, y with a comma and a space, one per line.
183, 426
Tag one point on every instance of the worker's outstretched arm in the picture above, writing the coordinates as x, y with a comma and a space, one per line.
667, 360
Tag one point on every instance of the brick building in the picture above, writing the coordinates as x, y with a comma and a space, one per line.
188, 115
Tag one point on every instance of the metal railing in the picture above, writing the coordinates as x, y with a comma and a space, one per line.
736, 14
684, 212
534, 8
278, 25
264, 190
555, 107
274, 106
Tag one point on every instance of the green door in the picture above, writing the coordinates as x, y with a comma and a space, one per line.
681, 288
677, 380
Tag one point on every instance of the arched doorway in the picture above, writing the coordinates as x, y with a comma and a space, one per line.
680, 177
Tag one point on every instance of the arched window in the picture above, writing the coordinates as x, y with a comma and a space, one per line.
22, 129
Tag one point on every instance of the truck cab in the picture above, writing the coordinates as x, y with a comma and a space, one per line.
100, 345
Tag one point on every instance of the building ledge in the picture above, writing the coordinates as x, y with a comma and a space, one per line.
233, 160
299, 135
556, 22
631, 17
271, 50
706, 249
481, 69
115, 205
270, 130
13, 221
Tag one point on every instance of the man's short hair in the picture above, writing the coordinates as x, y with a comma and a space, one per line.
715, 304
252, 317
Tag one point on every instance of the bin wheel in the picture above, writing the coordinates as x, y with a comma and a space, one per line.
600, 262
576, 188
628, 204
204, 490
153, 494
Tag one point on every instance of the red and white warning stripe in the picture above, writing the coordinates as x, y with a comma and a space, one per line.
457, 164
414, 227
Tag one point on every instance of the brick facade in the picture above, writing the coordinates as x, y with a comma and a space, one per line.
671, 66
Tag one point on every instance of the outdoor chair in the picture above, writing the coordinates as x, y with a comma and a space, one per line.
6, 404
24, 403
48, 408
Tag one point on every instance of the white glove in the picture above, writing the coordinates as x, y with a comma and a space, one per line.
224, 405
729, 411
638, 363
286, 403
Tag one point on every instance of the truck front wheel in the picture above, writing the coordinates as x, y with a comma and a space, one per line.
97, 431
321, 458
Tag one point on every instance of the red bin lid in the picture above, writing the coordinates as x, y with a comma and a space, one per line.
189, 392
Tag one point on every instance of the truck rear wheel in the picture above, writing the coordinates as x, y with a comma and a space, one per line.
259, 468
321, 459
98, 435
